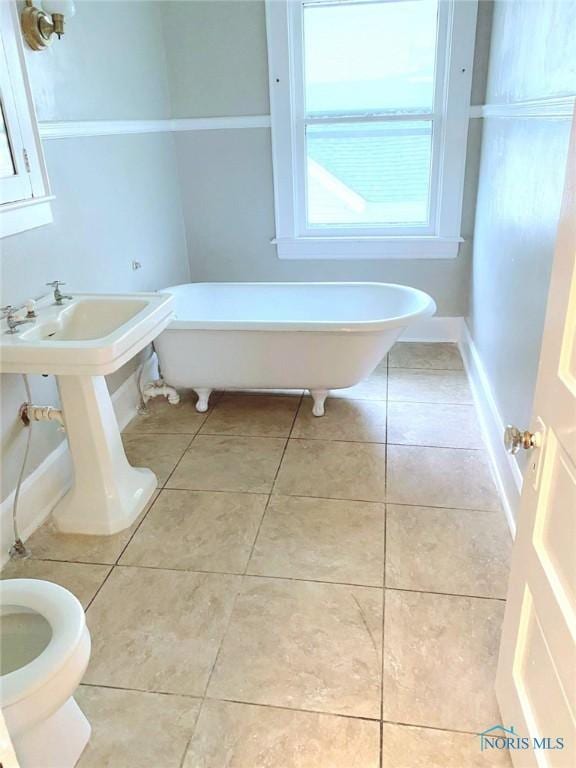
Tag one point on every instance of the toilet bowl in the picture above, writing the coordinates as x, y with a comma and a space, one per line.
44, 651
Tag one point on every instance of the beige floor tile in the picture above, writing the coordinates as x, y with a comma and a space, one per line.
248, 736
303, 645
440, 657
131, 729
425, 355
323, 540
457, 551
80, 579
422, 386
164, 418
158, 630
410, 747
440, 477
50, 544
360, 420
258, 415
224, 463
333, 470
434, 424
160, 453
373, 387
198, 530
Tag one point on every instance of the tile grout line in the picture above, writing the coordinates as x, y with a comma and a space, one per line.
238, 593
346, 584
175, 467
294, 418
115, 564
316, 439
242, 702
382, 652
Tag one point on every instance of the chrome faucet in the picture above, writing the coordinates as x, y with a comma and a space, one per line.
9, 313
58, 296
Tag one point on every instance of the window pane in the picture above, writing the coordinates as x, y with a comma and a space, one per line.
368, 174
370, 57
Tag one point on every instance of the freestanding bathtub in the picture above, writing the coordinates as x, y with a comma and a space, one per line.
315, 336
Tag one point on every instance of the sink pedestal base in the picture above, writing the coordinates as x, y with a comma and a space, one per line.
108, 493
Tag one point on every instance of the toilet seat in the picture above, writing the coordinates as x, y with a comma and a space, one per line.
45, 723
63, 611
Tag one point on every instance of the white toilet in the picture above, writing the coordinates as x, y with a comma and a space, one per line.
44, 652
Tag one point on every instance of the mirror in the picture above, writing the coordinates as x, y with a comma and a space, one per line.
7, 167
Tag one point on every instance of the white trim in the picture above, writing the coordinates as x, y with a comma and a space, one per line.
26, 195
553, 107
25, 214
435, 329
455, 45
47, 484
75, 129
407, 247
505, 468
220, 123
561, 106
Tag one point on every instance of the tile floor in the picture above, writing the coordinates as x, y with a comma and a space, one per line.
301, 592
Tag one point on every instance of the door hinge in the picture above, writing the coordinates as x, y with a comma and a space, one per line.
26, 160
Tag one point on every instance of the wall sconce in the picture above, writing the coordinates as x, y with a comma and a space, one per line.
39, 26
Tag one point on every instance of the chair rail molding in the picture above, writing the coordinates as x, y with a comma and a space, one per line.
550, 107
553, 107
74, 129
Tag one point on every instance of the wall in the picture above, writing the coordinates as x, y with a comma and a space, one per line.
532, 56
117, 197
217, 59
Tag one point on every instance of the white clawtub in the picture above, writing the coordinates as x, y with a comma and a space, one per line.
315, 336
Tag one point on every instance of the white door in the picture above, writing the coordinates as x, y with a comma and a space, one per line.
536, 678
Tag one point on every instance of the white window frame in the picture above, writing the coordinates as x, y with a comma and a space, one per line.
24, 197
450, 115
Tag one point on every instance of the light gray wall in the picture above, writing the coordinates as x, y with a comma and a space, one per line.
218, 65
521, 180
117, 197
217, 58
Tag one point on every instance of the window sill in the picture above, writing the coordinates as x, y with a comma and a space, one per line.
25, 214
338, 248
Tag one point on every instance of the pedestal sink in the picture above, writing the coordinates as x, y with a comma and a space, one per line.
80, 342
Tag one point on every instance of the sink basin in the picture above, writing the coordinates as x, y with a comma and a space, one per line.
94, 334
88, 319
80, 342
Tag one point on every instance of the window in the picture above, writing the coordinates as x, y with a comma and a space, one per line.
24, 189
370, 104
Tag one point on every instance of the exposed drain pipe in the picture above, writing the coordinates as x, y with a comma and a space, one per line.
159, 388
155, 386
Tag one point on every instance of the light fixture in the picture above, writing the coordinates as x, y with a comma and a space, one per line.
40, 25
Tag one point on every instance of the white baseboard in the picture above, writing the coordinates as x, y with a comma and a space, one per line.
47, 484
435, 329
505, 468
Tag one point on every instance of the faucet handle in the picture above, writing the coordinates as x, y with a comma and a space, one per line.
55, 283
7, 310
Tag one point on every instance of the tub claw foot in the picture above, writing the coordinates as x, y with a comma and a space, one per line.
319, 396
203, 397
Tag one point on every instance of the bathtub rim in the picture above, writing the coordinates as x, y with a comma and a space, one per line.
428, 309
